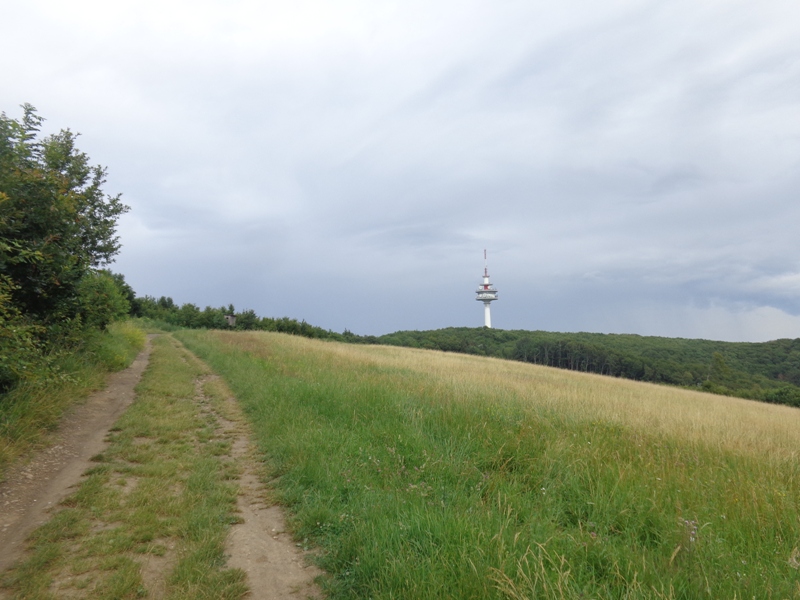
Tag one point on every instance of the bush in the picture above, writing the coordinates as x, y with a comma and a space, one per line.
785, 395
100, 300
20, 353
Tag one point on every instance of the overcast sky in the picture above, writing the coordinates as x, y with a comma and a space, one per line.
631, 166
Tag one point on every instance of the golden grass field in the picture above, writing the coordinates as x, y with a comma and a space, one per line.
734, 424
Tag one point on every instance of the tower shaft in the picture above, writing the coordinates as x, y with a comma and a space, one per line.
487, 293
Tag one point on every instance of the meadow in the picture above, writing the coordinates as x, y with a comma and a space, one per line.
420, 474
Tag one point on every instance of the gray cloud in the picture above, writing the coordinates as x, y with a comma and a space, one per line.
630, 166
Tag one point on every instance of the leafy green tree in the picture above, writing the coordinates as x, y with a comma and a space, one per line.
123, 286
213, 318
56, 223
188, 315
719, 372
247, 320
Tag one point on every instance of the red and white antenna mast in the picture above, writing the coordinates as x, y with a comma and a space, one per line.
487, 293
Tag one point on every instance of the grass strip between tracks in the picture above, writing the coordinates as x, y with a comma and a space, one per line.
150, 519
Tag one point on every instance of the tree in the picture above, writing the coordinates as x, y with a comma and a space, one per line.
125, 289
247, 320
718, 372
56, 223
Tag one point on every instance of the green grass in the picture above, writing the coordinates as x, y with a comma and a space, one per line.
160, 494
154, 325
425, 475
36, 406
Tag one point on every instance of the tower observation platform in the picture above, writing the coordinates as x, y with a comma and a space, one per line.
487, 293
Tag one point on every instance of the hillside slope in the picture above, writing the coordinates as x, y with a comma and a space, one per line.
764, 371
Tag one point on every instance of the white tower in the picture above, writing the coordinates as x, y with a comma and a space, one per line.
486, 293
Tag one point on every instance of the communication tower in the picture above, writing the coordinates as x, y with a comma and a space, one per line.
486, 293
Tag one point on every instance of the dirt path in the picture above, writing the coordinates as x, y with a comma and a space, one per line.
259, 545
33, 488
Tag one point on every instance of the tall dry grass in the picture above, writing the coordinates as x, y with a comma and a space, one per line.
725, 423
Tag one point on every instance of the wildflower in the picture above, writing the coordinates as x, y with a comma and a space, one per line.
691, 530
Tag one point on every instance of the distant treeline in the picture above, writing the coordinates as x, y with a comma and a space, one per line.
165, 311
768, 371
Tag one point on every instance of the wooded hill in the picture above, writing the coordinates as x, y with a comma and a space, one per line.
768, 371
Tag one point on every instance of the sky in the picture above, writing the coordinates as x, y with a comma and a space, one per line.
631, 166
